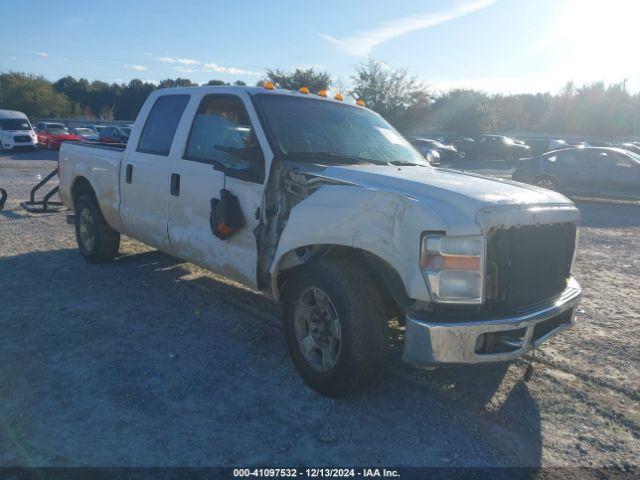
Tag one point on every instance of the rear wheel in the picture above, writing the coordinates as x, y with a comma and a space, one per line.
97, 241
547, 182
334, 326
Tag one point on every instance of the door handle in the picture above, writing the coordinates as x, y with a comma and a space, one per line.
129, 173
175, 184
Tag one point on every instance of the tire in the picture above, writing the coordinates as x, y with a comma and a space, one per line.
97, 241
547, 182
355, 305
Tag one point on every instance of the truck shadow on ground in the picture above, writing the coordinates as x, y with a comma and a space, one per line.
161, 366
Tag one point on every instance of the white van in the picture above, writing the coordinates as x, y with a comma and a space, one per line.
16, 131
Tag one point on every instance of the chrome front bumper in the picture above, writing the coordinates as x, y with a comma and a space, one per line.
437, 343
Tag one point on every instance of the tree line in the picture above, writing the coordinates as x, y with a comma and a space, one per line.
596, 110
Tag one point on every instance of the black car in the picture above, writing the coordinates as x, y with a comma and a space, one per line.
592, 171
632, 147
544, 145
499, 147
115, 135
447, 153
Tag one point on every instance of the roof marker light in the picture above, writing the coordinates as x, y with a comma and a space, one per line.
304, 90
322, 93
360, 102
269, 85
339, 97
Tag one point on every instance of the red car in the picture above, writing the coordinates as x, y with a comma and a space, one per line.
50, 135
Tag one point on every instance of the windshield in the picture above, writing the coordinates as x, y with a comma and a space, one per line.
308, 126
126, 131
14, 124
84, 131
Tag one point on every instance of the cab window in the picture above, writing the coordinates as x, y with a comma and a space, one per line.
222, 135
161, 125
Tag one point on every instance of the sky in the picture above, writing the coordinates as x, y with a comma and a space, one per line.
499, 46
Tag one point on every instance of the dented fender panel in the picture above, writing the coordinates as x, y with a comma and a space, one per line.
385, 224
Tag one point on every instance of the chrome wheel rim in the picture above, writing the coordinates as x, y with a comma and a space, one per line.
546, 183
86, 228
317, 328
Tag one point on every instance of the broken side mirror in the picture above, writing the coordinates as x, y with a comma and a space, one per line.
226, 216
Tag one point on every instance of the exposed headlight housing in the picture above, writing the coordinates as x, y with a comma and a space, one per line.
453, 267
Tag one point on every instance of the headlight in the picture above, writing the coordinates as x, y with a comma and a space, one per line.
453, 267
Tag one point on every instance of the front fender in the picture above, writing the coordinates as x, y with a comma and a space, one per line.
386, 224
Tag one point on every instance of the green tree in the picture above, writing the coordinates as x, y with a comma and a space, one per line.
399, 98
461, 111
34, 96
312, 79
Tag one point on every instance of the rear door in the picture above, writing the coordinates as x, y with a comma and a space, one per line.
144, 175
221, 151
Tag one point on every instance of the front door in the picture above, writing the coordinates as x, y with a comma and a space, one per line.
620, 175
144, 174
221, 152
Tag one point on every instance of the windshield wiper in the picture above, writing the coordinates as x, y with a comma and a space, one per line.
351, 159
399, 163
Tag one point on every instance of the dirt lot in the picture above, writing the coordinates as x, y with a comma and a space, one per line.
152, 361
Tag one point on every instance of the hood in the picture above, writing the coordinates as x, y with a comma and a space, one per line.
448, 191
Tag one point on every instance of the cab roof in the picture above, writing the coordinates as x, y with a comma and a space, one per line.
250, 90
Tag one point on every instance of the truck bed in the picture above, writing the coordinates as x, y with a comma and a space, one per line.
100, 165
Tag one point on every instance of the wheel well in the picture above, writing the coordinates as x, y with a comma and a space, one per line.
386, 278
81, 186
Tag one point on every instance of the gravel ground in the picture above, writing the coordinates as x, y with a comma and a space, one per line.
150, 361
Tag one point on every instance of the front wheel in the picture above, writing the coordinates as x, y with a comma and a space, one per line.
334, 326
97, 241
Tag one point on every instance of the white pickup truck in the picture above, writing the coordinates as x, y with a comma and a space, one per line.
324, 206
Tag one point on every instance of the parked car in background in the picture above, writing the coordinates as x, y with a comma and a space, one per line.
16, 131
632, 147
543, 145
51, 135
592, 171
446, 153
115, 135
95, 128
497, 147
432, 156
86, 133
599, 143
